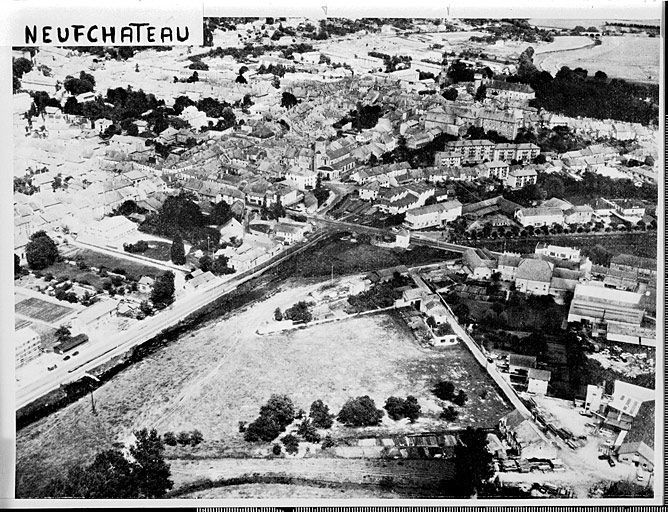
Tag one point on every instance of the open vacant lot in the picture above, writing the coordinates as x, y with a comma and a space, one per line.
132, 268
223, 372
42, 310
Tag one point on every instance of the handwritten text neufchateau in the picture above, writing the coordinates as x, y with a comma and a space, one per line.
132, 33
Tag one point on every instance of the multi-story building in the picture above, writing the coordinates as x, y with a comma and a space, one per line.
510, 91
471, 151
301, 178
447, 159
518, 178
27, 346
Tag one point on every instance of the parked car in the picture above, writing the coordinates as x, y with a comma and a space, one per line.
51, 368
66, 358
612, 462
75, 353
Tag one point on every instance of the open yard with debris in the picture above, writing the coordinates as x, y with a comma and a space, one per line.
224, 371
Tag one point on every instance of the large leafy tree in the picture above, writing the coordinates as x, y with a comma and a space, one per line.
320, 415
281, 408
360, 412
473, 462
220, 213
177, 252
150, 472
264, 428
41, 251
399, 408
275, 415
163, 290
85, 83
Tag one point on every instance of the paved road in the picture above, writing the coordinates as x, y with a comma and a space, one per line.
98, 353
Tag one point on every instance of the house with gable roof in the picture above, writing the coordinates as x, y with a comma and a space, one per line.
533, 277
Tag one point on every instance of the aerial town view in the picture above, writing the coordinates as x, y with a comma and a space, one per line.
340, 258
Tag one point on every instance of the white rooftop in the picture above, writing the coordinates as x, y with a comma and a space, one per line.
591, 291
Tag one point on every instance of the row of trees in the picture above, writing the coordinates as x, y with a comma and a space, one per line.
184, 438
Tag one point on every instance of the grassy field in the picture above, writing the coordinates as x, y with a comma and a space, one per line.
223, 372
62, 269
132, 269
42, 310
158, 250
344, 257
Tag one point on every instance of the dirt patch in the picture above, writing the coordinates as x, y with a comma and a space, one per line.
268, 491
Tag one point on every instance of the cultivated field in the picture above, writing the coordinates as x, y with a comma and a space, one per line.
42, 310
221, 373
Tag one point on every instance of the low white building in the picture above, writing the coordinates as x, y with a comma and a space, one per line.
433, 215
540, 216
559, 252
111, 231
95, 316
538, 381
289, 233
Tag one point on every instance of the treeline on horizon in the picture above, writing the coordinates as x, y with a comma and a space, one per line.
574, 93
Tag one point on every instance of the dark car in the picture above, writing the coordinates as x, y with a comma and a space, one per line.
51, 368
612, 462
75, 353
66, 358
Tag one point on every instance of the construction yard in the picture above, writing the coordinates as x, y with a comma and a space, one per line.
222, 372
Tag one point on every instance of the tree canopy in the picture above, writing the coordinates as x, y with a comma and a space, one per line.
320, 415
150, 471
177, 252
360, 412
473, 462
112, 476
76, 86
275, 416
399, 408
41, 251
163, 290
